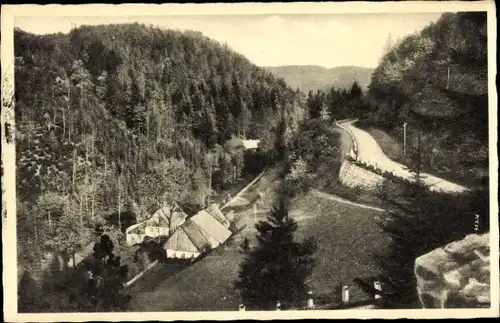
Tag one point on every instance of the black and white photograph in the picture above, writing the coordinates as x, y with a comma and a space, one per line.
264, 159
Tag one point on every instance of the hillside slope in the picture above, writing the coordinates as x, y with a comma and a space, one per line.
310, 77
436, 81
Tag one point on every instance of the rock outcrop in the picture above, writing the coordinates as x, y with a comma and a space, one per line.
456, 276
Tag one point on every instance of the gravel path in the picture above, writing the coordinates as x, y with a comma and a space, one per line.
343, 200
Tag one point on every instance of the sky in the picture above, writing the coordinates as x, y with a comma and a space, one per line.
327, 40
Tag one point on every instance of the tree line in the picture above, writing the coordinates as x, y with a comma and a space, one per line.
336, 103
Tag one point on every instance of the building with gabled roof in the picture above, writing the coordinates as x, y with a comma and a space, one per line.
162, 223
196, 236
187, 242
180, 246
211, 229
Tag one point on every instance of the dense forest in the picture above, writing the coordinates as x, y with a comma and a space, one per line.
436, 81
112, 121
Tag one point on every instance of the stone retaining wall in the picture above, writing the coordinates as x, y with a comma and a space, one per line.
354, 176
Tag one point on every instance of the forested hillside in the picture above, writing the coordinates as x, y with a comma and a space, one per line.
436, 80
312, 78
112, 121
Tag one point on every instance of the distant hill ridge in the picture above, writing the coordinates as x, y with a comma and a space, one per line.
314, 77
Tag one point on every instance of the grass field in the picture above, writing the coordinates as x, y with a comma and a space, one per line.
348, 237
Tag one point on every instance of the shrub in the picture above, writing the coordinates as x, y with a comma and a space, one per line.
298, 180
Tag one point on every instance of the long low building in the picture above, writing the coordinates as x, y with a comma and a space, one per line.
161, 224
198, 235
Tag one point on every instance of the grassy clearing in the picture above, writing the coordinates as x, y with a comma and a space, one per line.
348, 238
207, 285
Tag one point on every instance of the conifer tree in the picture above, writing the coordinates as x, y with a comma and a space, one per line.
276, 268
279, 141
103, 290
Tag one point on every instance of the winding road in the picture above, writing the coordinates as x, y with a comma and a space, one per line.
369, 151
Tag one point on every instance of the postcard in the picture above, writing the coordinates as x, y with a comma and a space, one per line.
249, 161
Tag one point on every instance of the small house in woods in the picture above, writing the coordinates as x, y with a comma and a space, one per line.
196, 236
236, 143
250, 144
162, 223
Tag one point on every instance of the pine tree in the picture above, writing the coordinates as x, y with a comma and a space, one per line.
276, 269
388, 45
104, 290
356, 92
280, 140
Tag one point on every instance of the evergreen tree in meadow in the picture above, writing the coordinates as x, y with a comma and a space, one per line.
276, 268
104, 288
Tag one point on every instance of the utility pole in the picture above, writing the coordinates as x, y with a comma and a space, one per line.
448, 77
119, 202
404, 140
419, 157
